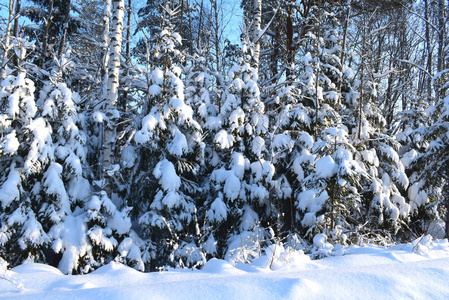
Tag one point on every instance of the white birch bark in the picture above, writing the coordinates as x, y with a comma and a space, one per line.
255, 32
118, 13
105, 41
7, 41
118, 8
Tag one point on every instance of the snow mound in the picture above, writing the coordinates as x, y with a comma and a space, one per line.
220, 266
418, 270
35, 268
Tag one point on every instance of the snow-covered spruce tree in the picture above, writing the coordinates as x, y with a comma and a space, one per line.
429, 167
103, 232
290, 142
26, 154
384, 206
329, 199
43, 187
293, 127
198, 96
239, 204
197, 85
169, 142
102, 228
425, 147
108, 234
328, 177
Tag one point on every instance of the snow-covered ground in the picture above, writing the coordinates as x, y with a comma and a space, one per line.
411, 271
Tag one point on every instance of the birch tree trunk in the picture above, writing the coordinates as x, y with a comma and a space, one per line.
118, 13
255, 32
16, 29
16, 18
118, 8
7, 41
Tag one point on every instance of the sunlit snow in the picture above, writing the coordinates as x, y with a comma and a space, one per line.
419, 270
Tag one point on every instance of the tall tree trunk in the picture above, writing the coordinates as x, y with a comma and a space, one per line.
404, 49
429, 51
343, 50
318, 72
124, 100
217, 35
47, 28
105, 39
290, 50
118, 8
16, 18
118, 13
275, 55
66, 26
16, 29
441, 42
200, 26
182, 19
104, 77
362, 81
128, 34
215, 14
255, 31
445, 191
7, 40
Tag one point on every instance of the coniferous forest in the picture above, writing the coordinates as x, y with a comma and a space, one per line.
141, 133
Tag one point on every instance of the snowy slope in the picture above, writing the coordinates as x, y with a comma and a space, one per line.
400, 272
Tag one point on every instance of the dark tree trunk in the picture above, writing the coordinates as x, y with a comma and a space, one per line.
275, 55
429, 51
66, 26
16, 29
290, 50
47, 28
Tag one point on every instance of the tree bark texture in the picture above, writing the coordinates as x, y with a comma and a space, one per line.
255, 32
7, 41
47, 28
118, 8
64, 33
118, 13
